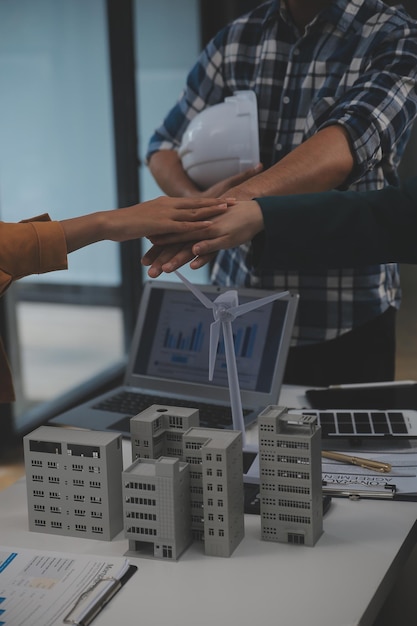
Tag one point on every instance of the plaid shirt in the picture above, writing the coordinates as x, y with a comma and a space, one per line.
355, 65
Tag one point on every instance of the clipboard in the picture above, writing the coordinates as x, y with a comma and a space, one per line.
384, 493
92, 601
58, 586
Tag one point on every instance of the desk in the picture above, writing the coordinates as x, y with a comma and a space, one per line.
342, 581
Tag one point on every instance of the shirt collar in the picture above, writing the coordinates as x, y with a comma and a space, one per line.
340, 13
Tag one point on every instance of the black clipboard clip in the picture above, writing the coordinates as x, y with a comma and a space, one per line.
387, 492
114, 585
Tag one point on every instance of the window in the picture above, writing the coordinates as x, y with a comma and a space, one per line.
66, 172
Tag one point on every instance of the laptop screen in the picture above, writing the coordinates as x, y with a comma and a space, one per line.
172, 342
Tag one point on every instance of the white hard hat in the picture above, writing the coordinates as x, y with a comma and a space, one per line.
222, 140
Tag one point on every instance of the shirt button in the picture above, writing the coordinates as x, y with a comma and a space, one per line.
296, 51
285, 99
279, 146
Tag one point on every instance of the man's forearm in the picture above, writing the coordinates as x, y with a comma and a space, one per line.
167, 170
321, 163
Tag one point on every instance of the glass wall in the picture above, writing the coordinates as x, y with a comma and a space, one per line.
167, 36
57, 156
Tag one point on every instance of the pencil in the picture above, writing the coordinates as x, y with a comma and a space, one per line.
376, 466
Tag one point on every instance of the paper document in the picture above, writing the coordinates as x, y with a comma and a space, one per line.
40, 588
400, 481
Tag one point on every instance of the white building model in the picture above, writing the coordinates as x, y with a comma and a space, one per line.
216, 485
190, 488
156, 506
158, 430
290, 477
73, 482
215, 491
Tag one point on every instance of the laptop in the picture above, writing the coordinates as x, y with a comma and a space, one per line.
168, 360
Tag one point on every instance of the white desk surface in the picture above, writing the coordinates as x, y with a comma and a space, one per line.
342, 581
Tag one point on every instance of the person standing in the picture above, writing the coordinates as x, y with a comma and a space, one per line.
335, 82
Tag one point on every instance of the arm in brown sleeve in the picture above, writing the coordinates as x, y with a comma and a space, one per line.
32, 247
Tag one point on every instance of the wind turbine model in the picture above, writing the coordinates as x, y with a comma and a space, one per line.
226, 308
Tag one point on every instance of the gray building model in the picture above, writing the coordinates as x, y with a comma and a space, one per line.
185, 482
215, 460
216, 485
290, 477
156, 507
157, 431
73, 482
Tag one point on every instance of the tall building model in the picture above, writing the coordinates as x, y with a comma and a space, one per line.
214, 457
73, 482
290, 477
156, 507
216, 486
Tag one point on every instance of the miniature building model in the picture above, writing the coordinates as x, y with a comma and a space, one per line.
290, 477
156, 507
158, 431
73, 482
216, 486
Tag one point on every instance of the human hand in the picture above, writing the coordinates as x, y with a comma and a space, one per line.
163, 215
238, 224
158, 257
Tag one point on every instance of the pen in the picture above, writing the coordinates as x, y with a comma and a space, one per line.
389, 383
376, 466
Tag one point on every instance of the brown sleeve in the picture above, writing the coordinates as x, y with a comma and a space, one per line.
31, 247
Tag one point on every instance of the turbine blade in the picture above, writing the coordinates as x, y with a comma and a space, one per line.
196, 291
236, 311
214, 342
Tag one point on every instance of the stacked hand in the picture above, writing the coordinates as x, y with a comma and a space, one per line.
239, 223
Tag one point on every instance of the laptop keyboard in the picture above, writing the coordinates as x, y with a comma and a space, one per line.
360, 423
211, 415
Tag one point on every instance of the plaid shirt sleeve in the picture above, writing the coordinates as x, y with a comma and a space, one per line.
380, 106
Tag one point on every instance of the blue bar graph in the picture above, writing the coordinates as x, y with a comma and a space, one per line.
190, 342
244, 340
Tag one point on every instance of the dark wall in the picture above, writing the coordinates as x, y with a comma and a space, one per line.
409, 5
217, 13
